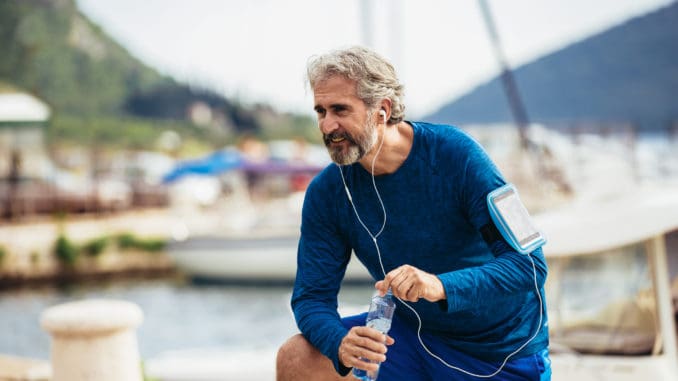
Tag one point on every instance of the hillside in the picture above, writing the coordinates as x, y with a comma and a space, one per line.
628, 73
99, 93
54, 52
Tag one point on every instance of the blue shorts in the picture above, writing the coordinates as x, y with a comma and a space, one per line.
407, 359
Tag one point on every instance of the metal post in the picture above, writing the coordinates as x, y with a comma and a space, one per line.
657, 253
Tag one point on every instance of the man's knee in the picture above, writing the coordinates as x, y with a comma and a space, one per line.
292, 350
298, 359
294, 357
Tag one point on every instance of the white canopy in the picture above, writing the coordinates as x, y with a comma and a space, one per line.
22, 107
590, 227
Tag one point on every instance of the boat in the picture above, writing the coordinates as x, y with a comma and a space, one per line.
612, 289
252, 259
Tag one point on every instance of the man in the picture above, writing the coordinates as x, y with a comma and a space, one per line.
409, 199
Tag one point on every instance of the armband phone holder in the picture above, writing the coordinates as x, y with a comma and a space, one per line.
513, 221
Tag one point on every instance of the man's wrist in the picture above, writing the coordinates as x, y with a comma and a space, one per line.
343, 369
440, 294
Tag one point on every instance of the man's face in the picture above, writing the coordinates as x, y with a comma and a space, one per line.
349, 131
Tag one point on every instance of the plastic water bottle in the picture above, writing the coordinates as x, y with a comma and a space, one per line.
379, 317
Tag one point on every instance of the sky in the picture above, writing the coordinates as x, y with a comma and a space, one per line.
257, 50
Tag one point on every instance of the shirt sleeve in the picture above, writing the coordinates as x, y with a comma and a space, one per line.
322, 257
509, 272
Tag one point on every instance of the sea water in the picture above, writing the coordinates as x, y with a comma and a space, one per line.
177, 315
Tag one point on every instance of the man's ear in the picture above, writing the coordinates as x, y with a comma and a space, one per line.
386, 109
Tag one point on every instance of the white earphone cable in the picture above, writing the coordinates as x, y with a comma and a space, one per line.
348, 193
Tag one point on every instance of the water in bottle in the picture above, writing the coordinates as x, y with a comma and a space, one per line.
379, 317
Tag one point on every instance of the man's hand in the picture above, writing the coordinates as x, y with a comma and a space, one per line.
363, 343
411, 284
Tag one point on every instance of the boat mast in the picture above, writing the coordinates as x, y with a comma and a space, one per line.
518, 110
515, 101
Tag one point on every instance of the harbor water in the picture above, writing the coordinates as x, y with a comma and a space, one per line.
178, 315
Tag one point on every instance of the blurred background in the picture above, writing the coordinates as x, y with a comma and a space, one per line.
158, 151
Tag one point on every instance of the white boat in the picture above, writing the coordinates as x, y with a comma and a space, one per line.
612, 288
246, 259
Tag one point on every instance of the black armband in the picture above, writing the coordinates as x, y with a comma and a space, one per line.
490, 233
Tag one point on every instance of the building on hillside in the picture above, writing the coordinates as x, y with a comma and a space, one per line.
23, 118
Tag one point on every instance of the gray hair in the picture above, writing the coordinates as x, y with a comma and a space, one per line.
375, 77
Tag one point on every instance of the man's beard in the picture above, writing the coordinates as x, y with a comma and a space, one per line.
358, 146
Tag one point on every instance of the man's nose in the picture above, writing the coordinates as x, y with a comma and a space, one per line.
328, 124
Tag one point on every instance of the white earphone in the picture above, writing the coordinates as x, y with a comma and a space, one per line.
383, 115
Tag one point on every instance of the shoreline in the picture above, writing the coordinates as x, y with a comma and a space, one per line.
30, 249
11, 282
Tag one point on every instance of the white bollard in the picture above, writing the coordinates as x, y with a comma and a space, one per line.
94, 340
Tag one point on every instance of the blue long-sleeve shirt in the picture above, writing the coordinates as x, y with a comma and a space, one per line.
435, 206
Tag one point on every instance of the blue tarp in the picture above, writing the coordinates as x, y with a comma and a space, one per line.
214, 164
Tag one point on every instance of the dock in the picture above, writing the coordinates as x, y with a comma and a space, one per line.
14, 368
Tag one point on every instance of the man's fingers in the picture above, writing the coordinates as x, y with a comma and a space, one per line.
393, 280
382, 287
412, 294
405, 283
369, 338
411, 284
364, 332
351, 357
363, 342
404, 289
357, 352
360, 363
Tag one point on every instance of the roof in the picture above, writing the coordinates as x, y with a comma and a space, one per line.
591, 227
22, 107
